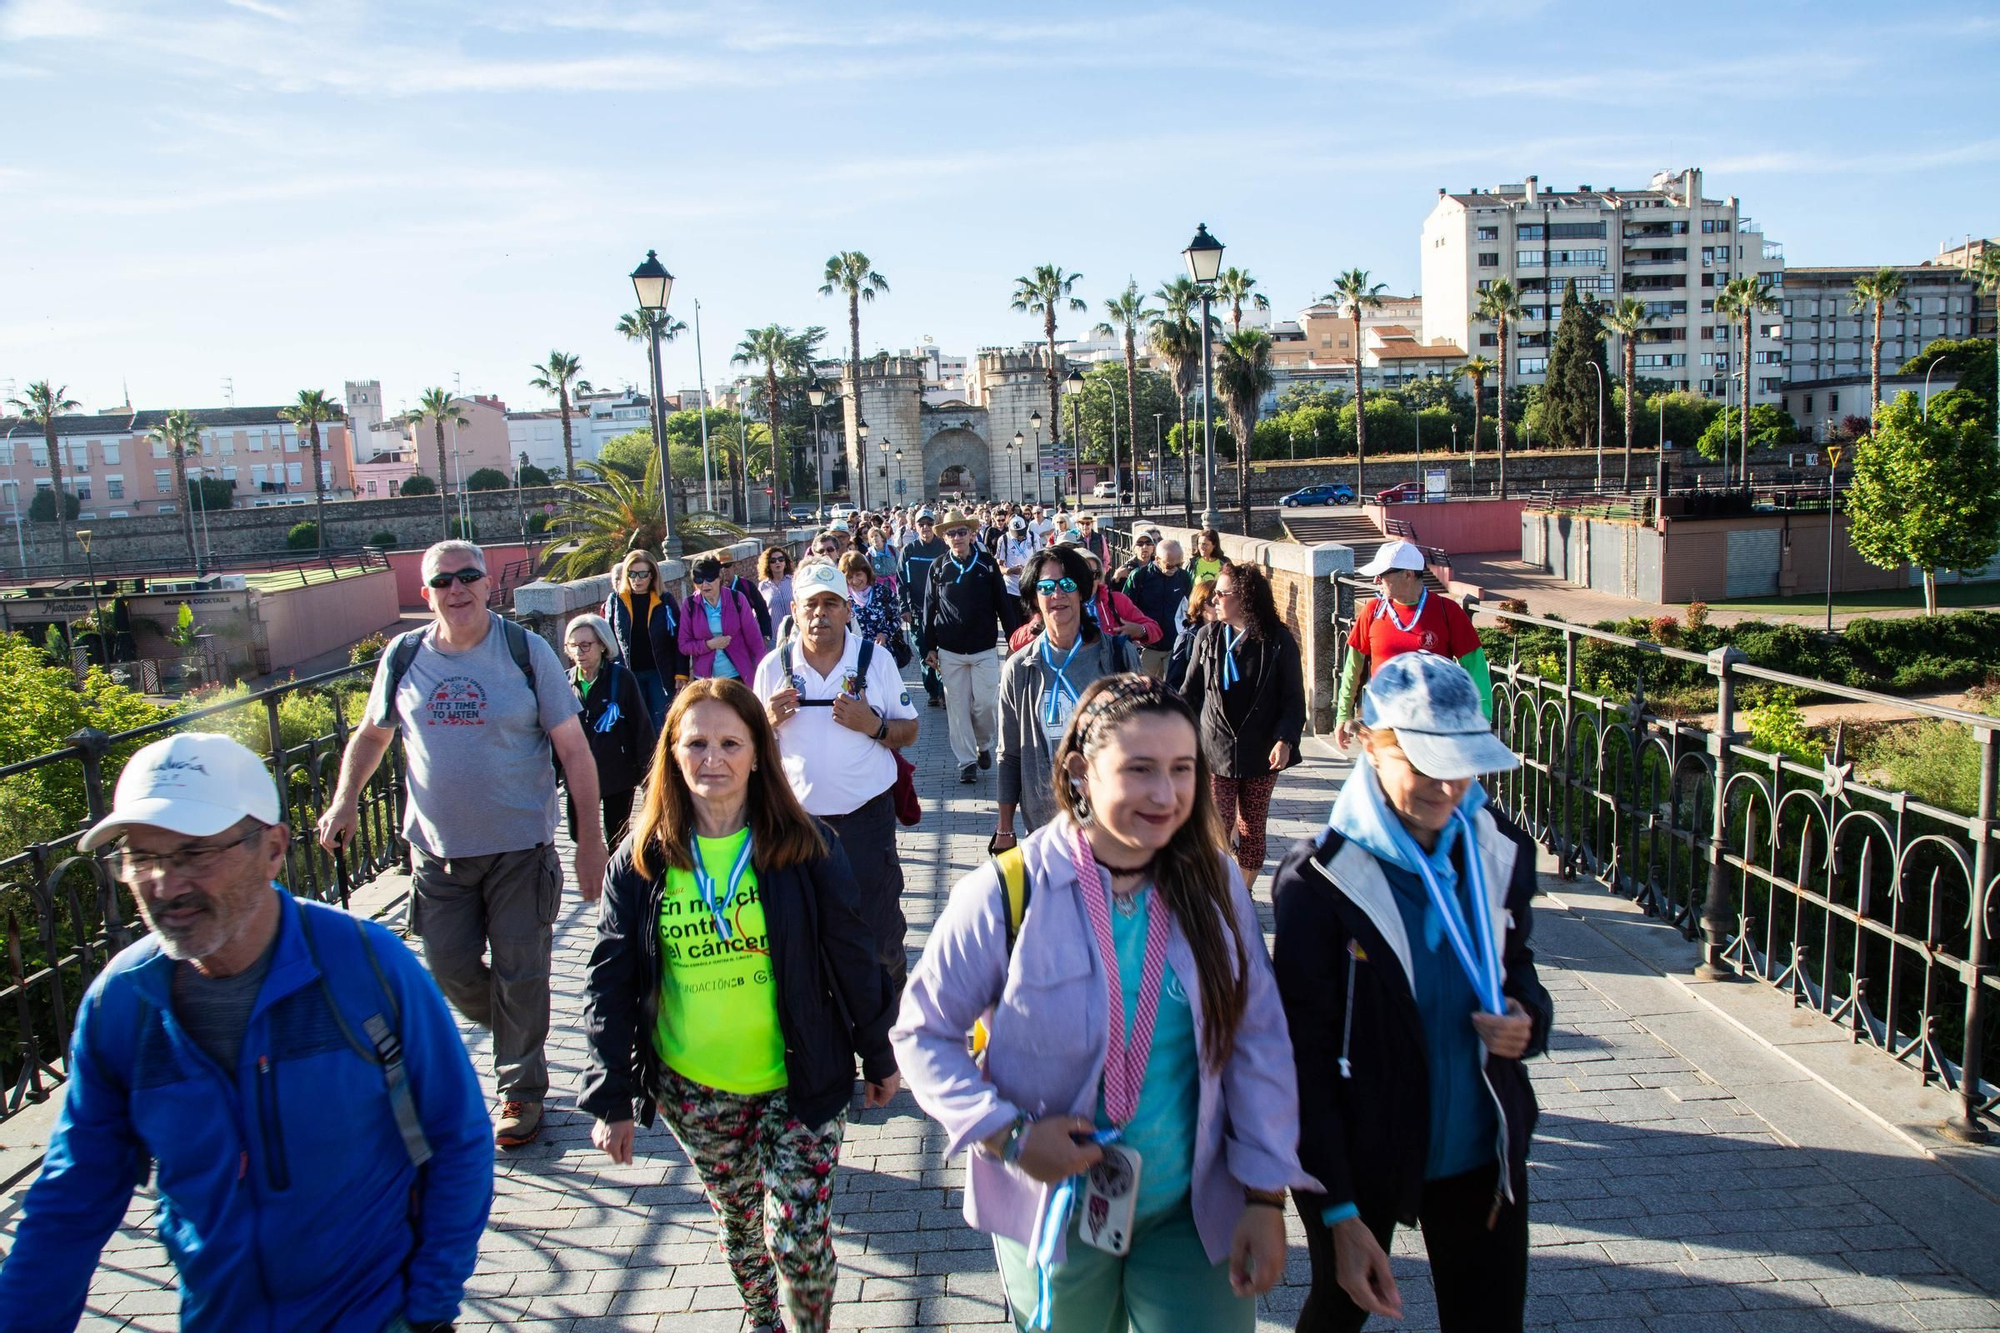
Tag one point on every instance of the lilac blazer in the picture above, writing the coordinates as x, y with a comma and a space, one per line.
1049, 1023
746, 641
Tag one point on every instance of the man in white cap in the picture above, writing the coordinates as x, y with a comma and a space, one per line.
840, 721
320, 1136
1405, 618
1016, 545
482, 705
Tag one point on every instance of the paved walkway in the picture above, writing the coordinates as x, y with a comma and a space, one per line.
1684, 1177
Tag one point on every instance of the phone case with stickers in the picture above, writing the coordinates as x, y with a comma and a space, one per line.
1110, 1200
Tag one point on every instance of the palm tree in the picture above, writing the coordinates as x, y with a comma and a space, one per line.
1745, 299
1354, 290
607, 513
1124, 313
1501, 303
312, 408
559, 375
179, 435
42, 405
1235, 285
1625, 318
1175, 335
1877, 289
441, 408
637, 325
1047, 292
783, 353
1243, 377
1476, 369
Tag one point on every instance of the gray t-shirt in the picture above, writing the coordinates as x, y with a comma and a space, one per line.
477, 739
214, 1011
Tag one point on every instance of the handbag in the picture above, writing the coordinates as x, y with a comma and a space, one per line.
909, 811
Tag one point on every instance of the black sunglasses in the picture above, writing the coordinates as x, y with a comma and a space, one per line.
444, 579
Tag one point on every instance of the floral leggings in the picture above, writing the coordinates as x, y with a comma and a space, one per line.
759, 1164
1243, 805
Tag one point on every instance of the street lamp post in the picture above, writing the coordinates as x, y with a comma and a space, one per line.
858, 483
816, 395
899, 487
654, 285
1035, 423
90, 565
1927, 388
1013, 448
1204, 263
1073, 386
1600, 421
1158, 430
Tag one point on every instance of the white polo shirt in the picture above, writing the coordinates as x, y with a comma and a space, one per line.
835, 770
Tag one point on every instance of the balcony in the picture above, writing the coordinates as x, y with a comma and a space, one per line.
1655, 282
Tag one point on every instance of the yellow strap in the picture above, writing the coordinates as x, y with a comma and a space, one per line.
1012, 868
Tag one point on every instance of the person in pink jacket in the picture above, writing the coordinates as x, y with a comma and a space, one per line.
1114, 612
719, 631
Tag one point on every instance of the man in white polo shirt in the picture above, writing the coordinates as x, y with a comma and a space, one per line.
838, 732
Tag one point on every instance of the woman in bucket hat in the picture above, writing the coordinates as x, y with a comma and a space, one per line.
1402, 958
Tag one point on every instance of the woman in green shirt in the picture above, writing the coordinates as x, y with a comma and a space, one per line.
1208, 557
732, 986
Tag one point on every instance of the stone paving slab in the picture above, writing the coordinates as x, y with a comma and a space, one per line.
1662, 1200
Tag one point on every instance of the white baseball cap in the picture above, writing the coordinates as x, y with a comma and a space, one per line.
815, 578
1393, 555
197, 783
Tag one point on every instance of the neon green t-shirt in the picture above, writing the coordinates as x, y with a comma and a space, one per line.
1207, 567
718, 1023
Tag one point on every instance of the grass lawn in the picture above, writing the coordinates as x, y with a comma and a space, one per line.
1950, 595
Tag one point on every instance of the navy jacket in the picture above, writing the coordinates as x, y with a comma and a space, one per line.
287, 1199
662, 631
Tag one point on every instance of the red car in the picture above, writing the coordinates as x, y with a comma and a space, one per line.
1406, 493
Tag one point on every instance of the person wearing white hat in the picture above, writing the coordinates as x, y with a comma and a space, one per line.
1405, 618
1403, 960
1016, 545
291, 1071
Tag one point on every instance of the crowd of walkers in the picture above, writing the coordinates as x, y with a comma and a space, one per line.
1138, 1089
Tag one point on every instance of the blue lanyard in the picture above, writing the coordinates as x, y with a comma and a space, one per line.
704, 884
963, 570
1052, 711
1230, 639
1483, 968
1389, 605
1055, 1221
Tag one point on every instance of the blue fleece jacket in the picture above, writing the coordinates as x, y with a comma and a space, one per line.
287, 1199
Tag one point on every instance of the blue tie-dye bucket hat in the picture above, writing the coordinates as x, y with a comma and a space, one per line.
1432, 705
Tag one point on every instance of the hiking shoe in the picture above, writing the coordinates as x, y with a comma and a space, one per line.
969, 773
936, 702
986, 758
519, 1123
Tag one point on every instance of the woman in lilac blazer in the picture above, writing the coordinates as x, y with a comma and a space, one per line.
719, 631
1135, 909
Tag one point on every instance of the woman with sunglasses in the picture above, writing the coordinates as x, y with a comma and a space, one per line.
645, 630
1136, 1064
1041, 683
1246, 682
731, 989
1403, 960
719, 630
615, 722
774, 581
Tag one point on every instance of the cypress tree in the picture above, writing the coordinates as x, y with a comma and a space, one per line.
1569, 394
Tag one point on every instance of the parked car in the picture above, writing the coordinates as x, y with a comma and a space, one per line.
1326, 493
1408, 492
799, 514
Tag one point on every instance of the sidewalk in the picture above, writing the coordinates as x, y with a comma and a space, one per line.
1687, 1174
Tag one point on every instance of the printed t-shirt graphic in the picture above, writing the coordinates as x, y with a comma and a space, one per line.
718, 1022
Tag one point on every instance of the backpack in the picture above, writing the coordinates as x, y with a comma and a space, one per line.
1012, 868
403, 651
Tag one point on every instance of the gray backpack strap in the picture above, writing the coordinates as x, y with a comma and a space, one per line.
384, 1046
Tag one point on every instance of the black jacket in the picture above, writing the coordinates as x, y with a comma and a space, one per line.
918, 557
834, 997
1365, 1135
1269, 667
662, 632
1158, 593
758, 606
967, 611
623, 748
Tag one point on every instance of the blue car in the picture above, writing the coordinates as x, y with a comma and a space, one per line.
1327, 493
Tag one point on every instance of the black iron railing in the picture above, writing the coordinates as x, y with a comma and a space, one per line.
65, 917
1868, 905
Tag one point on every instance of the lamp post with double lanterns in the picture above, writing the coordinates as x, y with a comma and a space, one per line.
654, 285
1035, 424
858, 483
1204, 265
1073, 386
887, 489
1014, 449
816, 396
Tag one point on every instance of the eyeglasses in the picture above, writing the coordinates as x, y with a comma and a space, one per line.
1050, 587
445, 578
1225, 592
193, 862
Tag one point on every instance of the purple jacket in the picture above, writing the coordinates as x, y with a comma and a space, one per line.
1049, 1024
746, 642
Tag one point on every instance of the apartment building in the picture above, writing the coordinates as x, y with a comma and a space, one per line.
1826, 338
1675, 250
116, 470
596, 418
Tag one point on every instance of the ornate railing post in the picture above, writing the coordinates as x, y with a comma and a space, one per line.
1715, 920
1965, 1126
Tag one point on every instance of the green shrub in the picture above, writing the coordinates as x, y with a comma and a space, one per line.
538, 523
384, 538
1936, 762
1777, 725
489, 479
419, 484
463, 527
42, 509
368, 649
303, 536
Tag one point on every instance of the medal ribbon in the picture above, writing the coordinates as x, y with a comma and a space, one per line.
1389, 605
1055, 1221
1052, 712
1124, 1062
704, 884
1230, 639
963, 570
1482, 968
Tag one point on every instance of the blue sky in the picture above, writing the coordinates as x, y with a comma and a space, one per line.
288, 193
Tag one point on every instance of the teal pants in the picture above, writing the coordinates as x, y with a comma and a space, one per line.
1165, 1285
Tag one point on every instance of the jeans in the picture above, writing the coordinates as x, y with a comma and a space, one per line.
655, 691
617, 812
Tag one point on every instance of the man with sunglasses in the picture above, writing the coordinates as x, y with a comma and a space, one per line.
479, 725
292, 1071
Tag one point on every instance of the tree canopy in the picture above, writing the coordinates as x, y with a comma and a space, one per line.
1771, 427
489, 479
1925, 492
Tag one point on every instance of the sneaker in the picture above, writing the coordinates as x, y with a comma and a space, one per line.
936, 702
519, 1123
969, 773
986, 758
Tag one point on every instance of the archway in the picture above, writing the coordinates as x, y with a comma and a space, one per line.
956, 460
957, 477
